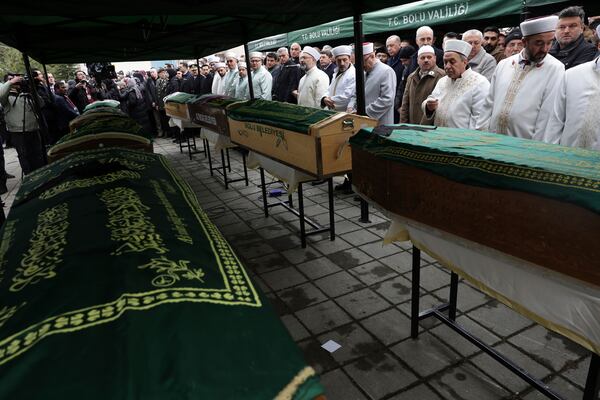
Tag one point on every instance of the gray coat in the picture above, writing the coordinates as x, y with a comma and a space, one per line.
483, 63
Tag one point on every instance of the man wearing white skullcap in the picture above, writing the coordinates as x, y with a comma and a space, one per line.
314, 83
230, 79
457, 99
218, 86
380, 88
343, 84
241, 87
524, 86
262, 81
419, 85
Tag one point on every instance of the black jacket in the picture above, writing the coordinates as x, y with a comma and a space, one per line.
287, 82
136, 109
578, 52
174, 85
64, 114
192, 85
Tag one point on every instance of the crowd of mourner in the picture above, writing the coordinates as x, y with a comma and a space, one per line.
538, 81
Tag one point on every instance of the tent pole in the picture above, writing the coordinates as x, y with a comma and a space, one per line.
248, 70
360, 86
48, 83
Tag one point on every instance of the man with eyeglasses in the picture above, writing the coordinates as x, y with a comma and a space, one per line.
570, 47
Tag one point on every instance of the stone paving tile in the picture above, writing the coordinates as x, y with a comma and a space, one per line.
254, 248
301, 296
372, 273
339, 387
561, 386
355, 342
421, 392
362, 303
323, 317
467, 298
389, 326
380, 374
501, 319
299, 255
286, 242
277, 305
378, 250
283, 278
466, 382
577, 372
273, 231
399, 262
329, 247
350, 258
315, 356
433, 278
294, 327
267, 263
396, 290
425, 302
551, 350
502, 375
460, 344
338, 284
318, 268
426, 355
360, 237
346, 226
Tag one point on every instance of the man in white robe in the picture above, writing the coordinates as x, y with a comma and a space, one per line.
380, 88
524, 86
262, 80
314, 83
457, 99
218, 86
231, 77
343, 84
576, 118
241, 88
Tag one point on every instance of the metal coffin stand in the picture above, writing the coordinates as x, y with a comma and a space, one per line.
592, 387
225, 166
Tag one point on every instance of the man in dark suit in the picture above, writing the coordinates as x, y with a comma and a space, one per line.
65, 110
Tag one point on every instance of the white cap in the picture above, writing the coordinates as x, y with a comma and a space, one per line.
242, 64
214, 59
341, 51
598, 31
312, 52
368, 48
220, 65
539, 25
458, 46
426, 49
230, 54
256, 54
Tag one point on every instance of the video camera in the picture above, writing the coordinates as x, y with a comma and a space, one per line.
25, 85
101, 71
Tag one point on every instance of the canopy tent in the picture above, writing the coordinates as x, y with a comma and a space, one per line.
61, 32
340, 29
271, 42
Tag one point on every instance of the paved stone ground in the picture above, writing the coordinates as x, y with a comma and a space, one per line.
357, 292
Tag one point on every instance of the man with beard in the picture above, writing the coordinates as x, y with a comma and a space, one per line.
570, 46
241, 87
314, 83
230, 78
380, 88
262, 81
218, 86
525, 86
343, 85
419, 86
288, 79
457, 99
491, 40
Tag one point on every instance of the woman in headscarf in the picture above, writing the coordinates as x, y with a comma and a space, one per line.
133, 103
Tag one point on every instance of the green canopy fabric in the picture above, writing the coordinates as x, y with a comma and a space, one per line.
60, 31
116, 285
436, 12
269, 43
342, 28
488, 159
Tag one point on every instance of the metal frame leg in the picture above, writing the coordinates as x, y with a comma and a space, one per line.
453, 296
331, 209
290, 201
224, 169
592, 384
301, 212
245, 168
189, 145
204, 147
210, 167
228, 161
364, 212
263, 187
414, 302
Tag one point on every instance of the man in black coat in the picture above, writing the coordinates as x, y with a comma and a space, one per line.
288, 78
193, 84
570, 47
65, 110
424, 37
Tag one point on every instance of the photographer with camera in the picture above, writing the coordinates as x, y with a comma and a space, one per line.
22, 122
47, 106
83, 93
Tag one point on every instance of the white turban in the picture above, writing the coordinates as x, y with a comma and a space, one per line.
256, 54
426, 49
312, 52
341, 51
242, 64
230, 54
458, 46
220, 65
539, 25
368, 48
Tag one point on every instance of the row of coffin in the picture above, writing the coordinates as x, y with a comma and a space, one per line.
114, 283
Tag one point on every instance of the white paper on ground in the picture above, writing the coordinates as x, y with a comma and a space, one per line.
331, 346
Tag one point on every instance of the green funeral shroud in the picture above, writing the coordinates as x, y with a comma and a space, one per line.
182, 98
216, 100
283, 115
103, 103
114, 284
488, 159
102, 124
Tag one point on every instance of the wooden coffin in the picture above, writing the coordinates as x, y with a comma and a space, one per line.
100, 141
319, 148
556, 234
177, 110
211, 113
